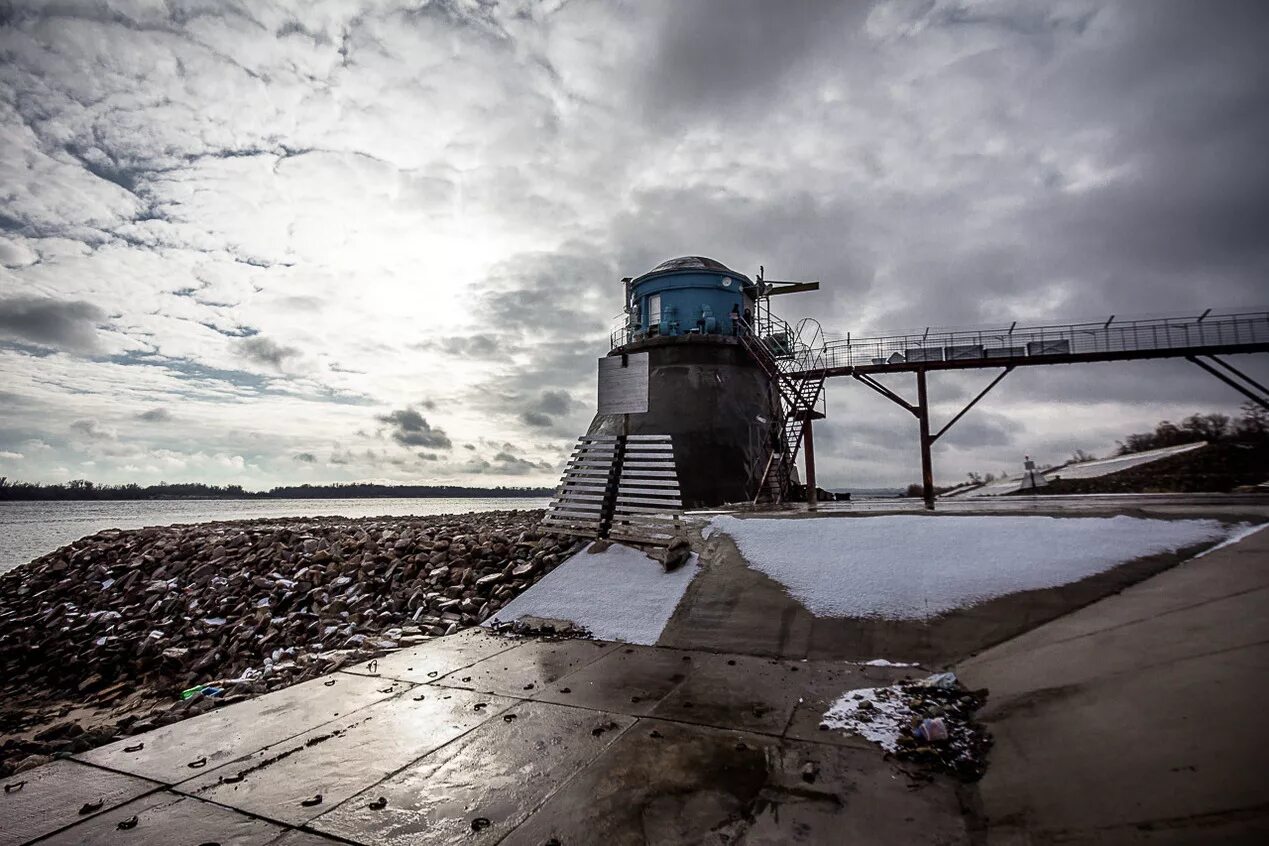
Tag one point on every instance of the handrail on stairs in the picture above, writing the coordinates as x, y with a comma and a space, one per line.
801, 349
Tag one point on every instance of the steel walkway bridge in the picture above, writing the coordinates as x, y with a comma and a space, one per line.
1201, 339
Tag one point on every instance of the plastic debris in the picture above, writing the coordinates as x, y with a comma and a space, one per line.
932, 730
943, 680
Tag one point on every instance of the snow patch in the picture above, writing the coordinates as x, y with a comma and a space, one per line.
880, 720
1106, 466
1242, 531
911, 567
884, 662
619, 594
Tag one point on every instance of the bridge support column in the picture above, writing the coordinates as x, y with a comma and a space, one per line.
922, 413
927, 464
808, 446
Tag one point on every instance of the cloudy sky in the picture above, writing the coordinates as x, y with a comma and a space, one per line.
323, 240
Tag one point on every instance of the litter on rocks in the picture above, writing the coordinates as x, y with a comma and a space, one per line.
928, 721
944, 680
204, 689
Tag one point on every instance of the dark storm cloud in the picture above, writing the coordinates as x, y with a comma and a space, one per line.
305, 457
265, 351
1184, 225
1175, 95
1138, 383
536, 418
983, 430
548, 296
67, 325
92, 429
409, 428
505, 464
795, 235
155, 415
555, 311
725, 55
545, 407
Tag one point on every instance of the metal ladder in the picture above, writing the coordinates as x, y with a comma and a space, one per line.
796, 367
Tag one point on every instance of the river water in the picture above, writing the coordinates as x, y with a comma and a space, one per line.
31, 529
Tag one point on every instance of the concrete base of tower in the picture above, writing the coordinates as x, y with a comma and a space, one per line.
720, 407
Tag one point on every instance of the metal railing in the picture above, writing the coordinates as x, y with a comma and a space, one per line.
621, 334
1004, 344
794, 348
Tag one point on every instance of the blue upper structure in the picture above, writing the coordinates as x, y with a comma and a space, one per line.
686, 295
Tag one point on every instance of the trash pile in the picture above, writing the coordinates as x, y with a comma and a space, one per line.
928, 721
223, 611
539, 627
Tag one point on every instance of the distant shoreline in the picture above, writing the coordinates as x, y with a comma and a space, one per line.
89, 492
545, 492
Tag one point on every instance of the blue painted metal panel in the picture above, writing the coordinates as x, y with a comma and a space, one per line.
692, 300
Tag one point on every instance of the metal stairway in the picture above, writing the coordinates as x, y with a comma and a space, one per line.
794, 361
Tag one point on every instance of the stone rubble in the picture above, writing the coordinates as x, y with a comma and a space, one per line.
124, 621
930, 722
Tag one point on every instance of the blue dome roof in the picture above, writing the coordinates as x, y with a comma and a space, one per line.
693, 263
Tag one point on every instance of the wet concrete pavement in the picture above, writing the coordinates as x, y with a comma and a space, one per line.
61, 794
1134, 720
183, 750
511, 741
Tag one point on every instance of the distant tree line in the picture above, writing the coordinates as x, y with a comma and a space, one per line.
81, 489
1252, 427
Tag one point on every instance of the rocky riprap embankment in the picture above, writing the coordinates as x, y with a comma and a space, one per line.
126, 620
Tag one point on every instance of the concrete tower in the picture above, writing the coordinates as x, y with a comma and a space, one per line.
677, 368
